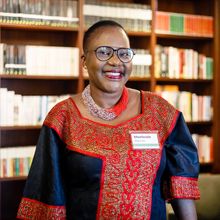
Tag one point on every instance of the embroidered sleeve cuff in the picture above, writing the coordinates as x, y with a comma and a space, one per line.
181, 188
32, 209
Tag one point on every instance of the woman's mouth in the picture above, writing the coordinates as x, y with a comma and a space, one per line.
113, 75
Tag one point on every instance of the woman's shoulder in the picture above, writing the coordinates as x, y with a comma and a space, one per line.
61, 105
60, 111
159, 104
154, 97
134, 92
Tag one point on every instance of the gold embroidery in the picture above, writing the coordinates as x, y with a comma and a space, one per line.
32, 209
128, 175
182, 187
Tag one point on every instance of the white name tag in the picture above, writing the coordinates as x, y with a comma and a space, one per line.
144, 140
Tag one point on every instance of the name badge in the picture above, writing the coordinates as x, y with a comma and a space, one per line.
144, 140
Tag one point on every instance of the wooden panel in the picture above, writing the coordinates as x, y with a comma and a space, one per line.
187, 6
216, 103
202, 128
19, 137
10, 194
139, 85
37, 37
140, 42
201, 87
201, 45
40, 86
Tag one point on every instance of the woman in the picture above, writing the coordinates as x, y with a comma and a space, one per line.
111, 152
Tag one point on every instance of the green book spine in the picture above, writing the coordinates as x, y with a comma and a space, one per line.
209, 68
176, 23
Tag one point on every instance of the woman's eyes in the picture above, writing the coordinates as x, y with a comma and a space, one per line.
124, 54
104, 52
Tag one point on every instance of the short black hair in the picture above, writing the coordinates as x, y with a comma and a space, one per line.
97, 25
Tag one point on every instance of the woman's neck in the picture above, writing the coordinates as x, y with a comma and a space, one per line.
107, 109
105, 99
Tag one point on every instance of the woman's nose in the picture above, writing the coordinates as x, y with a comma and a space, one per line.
114, 60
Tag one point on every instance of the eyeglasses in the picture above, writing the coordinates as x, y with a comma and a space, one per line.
104, 53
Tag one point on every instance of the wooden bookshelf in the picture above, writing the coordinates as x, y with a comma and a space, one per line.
26, 34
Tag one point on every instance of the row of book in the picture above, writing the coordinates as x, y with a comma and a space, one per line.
194, 107
39, 60
170, 62
132, 16
184, 24
141, 63
182, 63
40, 12
16, 161
16, 109
204, 145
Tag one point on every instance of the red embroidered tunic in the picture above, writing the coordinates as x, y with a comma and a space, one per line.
88, 170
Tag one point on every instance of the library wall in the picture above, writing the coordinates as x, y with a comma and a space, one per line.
177, 56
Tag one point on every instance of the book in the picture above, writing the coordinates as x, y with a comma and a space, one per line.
16, 161
42, 12
182, 63
16, 109
184, 24
132, 16
194, 107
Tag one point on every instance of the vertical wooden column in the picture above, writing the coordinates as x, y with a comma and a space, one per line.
153, 44
216, 93
79, 44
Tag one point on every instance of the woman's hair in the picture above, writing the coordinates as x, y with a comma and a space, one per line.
97, 25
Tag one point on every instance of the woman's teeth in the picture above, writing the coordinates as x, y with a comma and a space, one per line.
113, 75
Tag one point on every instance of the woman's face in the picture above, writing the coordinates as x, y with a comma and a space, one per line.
111, 75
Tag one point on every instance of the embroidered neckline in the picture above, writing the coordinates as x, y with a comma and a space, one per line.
105, 113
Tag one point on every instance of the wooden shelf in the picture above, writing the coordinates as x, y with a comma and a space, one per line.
200, 123
19, 135
185, 37
176, 80
143, 79
139, 34
14, 178
40, 85
36, 27
41, 77
20, 127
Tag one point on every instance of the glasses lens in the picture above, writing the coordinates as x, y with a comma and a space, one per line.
104, 53
125, 54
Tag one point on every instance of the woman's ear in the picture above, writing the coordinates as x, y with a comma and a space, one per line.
83, 60
85, 70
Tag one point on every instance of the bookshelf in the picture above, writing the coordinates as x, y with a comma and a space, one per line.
206, 44
45, 34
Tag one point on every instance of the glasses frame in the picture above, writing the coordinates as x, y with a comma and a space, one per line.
115, 51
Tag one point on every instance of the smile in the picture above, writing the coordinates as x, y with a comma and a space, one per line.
113, 75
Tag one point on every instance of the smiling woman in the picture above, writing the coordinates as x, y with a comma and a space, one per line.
111, 152
108, 62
